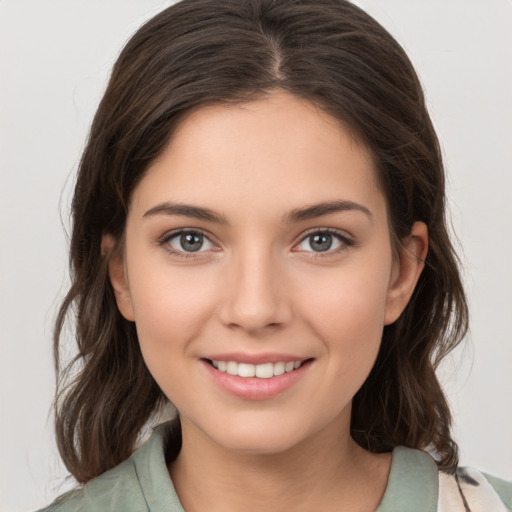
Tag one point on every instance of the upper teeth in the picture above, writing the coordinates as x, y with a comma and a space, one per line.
263, 371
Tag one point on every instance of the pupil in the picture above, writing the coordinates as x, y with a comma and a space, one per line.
321, 242
191, 242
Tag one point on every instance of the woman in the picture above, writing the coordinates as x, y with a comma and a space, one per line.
259, 238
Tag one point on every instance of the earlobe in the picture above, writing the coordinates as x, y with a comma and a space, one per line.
117, 274
408, 267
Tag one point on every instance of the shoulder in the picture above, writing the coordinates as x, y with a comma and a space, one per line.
478, 491
502, 487
415, 483
116, 489
139, 484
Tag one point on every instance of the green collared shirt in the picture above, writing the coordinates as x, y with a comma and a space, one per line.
142, 484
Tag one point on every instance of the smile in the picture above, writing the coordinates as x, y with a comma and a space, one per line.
261, 371
265, 377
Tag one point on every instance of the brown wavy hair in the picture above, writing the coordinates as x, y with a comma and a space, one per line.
199, 52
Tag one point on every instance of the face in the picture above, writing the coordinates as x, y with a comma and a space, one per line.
259, 272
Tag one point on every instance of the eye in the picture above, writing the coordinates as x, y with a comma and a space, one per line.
187, 242
324, 241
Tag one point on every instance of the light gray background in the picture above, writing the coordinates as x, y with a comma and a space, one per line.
54, 61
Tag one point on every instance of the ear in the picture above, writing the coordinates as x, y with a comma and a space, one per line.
408, 266
117, 274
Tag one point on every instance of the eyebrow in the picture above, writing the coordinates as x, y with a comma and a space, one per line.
186, 210
296, 215
320, 209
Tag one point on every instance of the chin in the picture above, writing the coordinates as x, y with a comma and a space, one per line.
257, 443
258, 436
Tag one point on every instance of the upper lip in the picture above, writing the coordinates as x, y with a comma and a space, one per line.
247, 358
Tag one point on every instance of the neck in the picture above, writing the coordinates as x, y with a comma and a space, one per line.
327, 472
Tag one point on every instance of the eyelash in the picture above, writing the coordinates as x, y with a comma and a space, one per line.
164, 242
345, 242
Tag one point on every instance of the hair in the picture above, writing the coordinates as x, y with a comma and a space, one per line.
200, 52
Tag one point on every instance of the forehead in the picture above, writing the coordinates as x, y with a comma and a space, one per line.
269, 154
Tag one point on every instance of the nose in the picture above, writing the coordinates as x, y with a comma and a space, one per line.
255, 298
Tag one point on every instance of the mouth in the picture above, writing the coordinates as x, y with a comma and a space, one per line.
261, 371
266, 377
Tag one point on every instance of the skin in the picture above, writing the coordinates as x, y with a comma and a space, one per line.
257, 285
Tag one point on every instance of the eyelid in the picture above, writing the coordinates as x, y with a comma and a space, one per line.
169, 235
345, 239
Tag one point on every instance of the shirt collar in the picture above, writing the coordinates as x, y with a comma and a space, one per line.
412, 483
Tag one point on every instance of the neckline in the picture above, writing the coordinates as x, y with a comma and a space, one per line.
412, 482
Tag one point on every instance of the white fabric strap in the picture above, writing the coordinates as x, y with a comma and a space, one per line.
477, 491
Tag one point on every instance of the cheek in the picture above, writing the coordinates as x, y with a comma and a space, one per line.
346, 309
171, 308
351, 296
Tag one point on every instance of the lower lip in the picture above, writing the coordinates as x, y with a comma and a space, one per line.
253, 388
